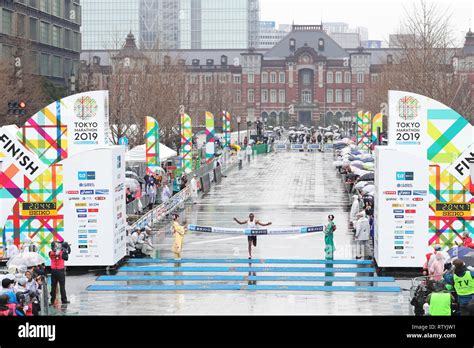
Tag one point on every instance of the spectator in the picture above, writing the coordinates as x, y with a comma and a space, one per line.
165, 194
463, 282
440, 301
466, 240
354, 209
129, 196
248, 152
362, 235
151, 190
194, 189
436, 268
184, 182
438, 250
7, 289
6, 309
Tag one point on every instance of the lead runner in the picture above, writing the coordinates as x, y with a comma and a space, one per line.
252, 224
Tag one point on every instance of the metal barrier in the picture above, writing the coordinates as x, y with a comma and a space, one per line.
297, 147
280, 147
313, 147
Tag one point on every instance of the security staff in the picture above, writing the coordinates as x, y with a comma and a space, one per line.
440, 301
58, 254
463, 281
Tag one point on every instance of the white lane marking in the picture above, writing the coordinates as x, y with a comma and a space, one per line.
302, 235
216, 240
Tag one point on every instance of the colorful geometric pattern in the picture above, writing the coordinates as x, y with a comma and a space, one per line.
85, 108
364, 130
46, 135
226, 121
152, 143
210, 140
447, 131
42, 230
186, 143
377, 125
408, 108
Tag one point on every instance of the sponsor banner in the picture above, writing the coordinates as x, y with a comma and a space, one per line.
39, 209
83, 176
454, 209
257, 231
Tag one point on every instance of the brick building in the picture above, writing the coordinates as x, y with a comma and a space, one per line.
306, 78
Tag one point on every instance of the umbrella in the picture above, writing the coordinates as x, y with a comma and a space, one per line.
464, 253
367, 177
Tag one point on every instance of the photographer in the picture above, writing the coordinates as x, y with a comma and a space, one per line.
59, 253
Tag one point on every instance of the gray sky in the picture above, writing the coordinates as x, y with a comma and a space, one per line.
381, 17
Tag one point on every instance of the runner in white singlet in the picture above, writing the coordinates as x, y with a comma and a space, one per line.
252, 223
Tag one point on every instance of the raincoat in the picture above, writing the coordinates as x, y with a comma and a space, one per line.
329, 241
354, 209
178, 233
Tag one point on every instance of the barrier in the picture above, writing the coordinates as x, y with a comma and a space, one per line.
205, 183
297, 147
257, 231
313, 147
280, 147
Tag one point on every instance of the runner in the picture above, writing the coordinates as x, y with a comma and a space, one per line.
252, 224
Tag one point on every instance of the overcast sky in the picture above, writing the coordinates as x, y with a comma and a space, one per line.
381, 17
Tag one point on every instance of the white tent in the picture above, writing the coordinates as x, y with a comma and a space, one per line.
138, 153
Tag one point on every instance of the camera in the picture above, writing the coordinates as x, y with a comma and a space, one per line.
65, 247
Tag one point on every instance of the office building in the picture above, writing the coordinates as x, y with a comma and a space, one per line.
46, 33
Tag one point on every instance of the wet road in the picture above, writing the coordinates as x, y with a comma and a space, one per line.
288, 189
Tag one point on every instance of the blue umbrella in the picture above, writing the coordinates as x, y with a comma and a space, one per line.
463, 253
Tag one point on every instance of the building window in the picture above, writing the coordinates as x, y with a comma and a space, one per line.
7, 22
329, 77
34, 3
194, 97
347, 77
306, 77
338, 96
56, 36
251, 96
306, 96
21, 23
264, 96
44, 65
330, 96
375, 78
273, 96
264, 77
360, 95
273, 77
57, 8
193, 80
67, 39
237, 96
237, 79
281, 96
360, 77
77, 41
44, 33
44, 5
208, 79
251, 78
347, 96
282, 77
338, 77
222, 78
56, 66
33, 29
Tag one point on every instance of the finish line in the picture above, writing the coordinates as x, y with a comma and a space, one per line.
259, 261
256, 231
216, 287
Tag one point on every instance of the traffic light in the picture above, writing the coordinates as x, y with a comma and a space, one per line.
17, 108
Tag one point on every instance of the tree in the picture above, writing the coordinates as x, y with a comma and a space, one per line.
423, 62
19, 83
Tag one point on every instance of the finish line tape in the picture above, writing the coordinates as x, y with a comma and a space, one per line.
256, 231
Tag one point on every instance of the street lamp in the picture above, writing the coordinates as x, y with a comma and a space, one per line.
239, 119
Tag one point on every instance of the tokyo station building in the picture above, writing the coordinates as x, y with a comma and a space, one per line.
307, 78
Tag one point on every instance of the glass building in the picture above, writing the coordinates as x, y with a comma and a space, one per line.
105, 23
208, 24
171, 24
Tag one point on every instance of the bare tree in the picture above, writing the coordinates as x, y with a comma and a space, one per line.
423, 62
